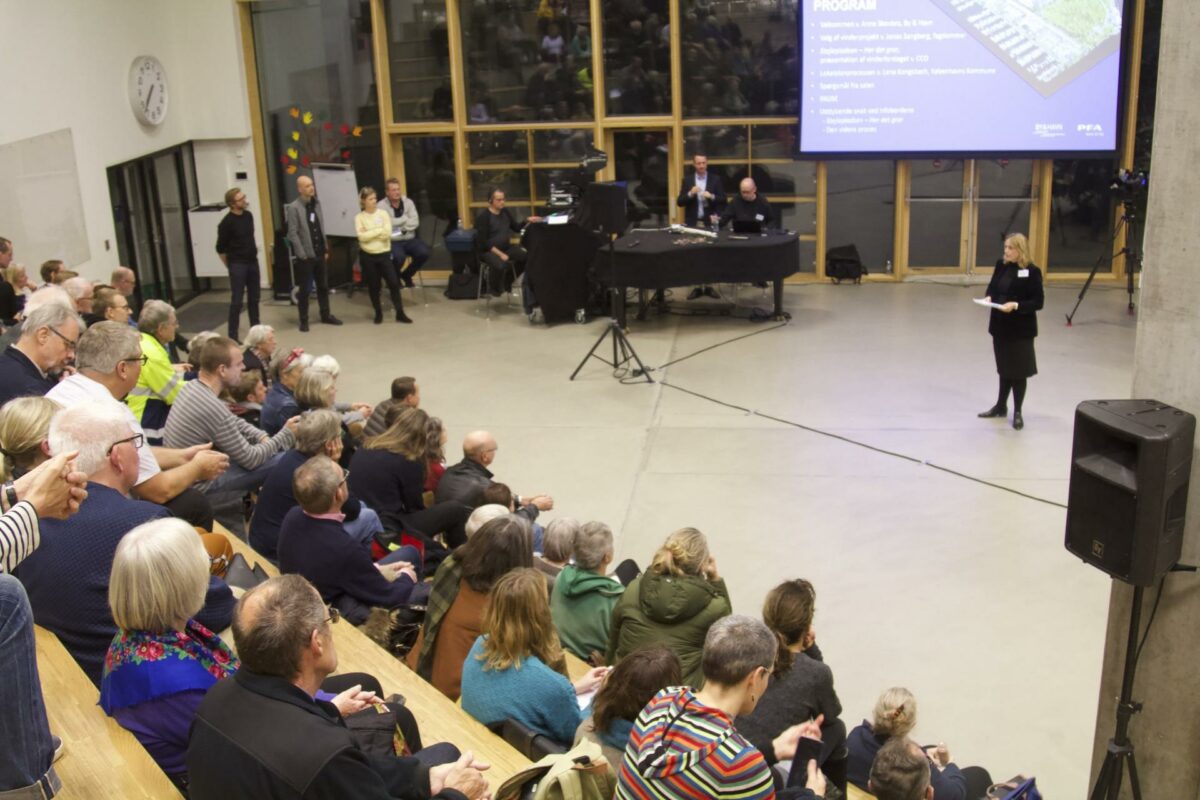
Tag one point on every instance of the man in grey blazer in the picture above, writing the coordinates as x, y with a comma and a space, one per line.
310, 253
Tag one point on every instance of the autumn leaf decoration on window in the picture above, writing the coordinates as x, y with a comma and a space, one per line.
314, 139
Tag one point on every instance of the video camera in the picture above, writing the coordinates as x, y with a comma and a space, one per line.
1129, 185
566, 193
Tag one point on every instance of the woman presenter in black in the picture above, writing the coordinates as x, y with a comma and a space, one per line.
1016, 286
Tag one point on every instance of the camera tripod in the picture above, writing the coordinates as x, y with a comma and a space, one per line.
1120, 749
1133, 259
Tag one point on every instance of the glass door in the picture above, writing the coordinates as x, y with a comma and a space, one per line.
960, 211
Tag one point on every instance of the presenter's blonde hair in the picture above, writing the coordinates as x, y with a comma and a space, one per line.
1021, 245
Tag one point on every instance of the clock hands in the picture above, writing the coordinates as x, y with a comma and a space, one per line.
149, 94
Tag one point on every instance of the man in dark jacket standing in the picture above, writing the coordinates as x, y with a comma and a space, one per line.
310, 251
239, 254
702, 198
262, 733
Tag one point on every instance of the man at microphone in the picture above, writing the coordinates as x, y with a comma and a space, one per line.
702, 198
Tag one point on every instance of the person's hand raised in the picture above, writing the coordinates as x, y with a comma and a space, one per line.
54, 488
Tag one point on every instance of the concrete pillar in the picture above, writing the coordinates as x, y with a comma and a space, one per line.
1166, 734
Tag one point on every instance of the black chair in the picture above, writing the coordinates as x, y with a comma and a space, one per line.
528, 742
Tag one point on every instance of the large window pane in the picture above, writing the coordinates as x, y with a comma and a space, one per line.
637, 57
527, 60
498, 147
429, 173
1081, 215
419, 59
860, 209
795, 216
774, 141
795, 178
743, 66
514, 182
562, 145
317, 81
1005, 203
716, 141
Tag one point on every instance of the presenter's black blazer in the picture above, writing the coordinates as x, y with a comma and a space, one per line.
688, 202
1012, 283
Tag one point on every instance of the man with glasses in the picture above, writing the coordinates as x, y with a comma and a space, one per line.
109, 304
465, 481
67, 576
109, 361
269, 732
45, 348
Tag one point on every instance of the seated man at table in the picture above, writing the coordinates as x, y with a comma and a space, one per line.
262, 733
313, 543
67, 577
494, 229
749, 207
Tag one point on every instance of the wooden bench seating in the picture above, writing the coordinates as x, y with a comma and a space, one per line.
440, 719
101, 759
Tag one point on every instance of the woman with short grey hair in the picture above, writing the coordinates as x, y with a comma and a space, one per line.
260, 348
687, 747
161, 662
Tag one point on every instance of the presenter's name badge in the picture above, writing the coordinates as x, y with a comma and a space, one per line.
1022, 273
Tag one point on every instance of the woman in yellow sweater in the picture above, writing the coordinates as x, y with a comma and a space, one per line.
374, 228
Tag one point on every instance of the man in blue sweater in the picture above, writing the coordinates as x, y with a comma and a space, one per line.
67, 576
313, 543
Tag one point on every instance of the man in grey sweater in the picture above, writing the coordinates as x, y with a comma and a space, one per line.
310, 251
406, 241
199, 415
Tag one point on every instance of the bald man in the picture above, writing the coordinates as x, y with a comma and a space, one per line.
749, 206
465, 481
310, 251
124, 280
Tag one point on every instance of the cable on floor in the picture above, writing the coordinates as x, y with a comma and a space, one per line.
857, 443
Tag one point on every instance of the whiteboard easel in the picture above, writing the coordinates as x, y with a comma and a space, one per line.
337, 189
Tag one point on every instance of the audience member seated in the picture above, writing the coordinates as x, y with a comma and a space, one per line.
558, 540
67, 578
404, 392
801, 686
280, 405
901, 771
516, 668
260, 348
388, 474
483, 515
318, 389
49, 271
109, 359
111, 305
435, 453
672, 604
12, 300
160, 381
24, 434
246, 399
162, 661
46, 344
199, 416
466, 480
894, 717
318, 433
43, 295
683, 744
584, 595
626, 690
266, 732
749, 206
500, 495
314, 543
354, 414
82, 292
459, 596
26, 759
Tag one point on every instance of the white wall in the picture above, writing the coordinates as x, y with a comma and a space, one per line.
65, 64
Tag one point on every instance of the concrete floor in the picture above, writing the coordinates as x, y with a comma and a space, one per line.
875, 480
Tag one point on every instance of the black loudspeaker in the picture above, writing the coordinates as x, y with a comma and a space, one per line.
1130, 465
603, 208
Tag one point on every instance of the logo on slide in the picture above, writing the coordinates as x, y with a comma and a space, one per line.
1090, 129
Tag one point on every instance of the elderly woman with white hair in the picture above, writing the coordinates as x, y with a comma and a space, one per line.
281, 405
260, 348
161, 662
159, 382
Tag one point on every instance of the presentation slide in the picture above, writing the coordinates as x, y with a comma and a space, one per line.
959, 76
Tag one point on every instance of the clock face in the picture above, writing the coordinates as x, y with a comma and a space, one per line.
148, 90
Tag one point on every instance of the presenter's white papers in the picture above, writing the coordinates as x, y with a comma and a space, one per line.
984, 302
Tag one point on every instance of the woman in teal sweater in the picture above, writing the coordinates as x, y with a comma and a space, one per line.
516, 669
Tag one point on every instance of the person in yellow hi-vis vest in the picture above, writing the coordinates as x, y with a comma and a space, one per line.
160, 380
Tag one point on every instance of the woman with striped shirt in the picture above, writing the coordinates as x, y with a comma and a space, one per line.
683, 745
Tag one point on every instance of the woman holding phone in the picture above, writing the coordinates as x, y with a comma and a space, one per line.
1016, 287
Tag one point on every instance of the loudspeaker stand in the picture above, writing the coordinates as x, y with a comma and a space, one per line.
622, 353
1120, 748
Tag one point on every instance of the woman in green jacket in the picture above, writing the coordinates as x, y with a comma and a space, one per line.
672, 605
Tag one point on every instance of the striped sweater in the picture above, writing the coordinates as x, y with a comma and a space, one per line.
682, 749
19, 535
199, 416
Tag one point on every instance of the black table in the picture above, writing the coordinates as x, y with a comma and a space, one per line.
659, 260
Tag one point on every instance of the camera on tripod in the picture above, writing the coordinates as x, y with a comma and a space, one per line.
1129, 186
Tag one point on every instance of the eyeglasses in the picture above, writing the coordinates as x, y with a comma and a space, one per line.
334, 615
142, 358
71, 343
136, 440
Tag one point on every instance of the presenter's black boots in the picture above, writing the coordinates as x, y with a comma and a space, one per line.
995, 411
1018, 421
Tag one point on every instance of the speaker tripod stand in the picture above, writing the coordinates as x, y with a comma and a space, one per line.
1133, 259
1120, 748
